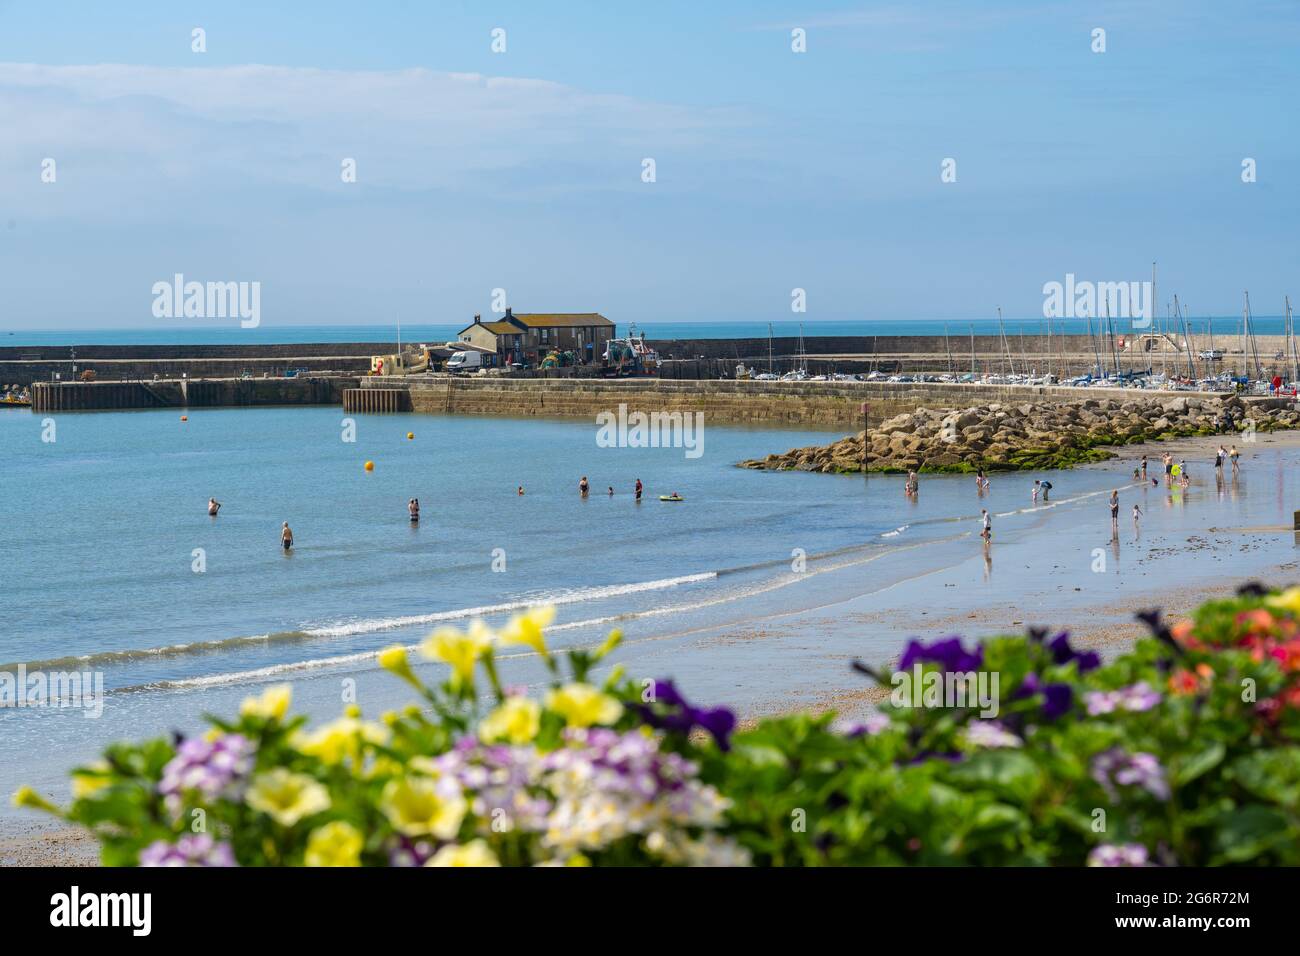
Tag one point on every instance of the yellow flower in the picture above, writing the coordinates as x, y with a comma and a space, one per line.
89, 780
474, 853
334, 844
461, 651
340, 738
615, 638
287, 797
30, 799
518, 720
582, 705
394, 660
416, 807
1288, 600
273, 703
527, 629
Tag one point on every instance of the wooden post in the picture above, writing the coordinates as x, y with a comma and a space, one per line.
1297, 520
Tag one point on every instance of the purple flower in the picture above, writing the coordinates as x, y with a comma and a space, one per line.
869, 726
681, 717
990, 733
1139, 697
1116, 767
947, 653
1063, 653
207, 767
1057, 700
198, 849
1118, 854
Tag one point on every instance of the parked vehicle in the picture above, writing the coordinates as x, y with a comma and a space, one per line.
467, 361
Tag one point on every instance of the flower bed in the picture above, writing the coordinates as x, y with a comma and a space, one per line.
1185, 751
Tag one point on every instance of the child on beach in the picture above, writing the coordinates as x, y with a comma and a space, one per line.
1034, 493
1137, 513
987, 532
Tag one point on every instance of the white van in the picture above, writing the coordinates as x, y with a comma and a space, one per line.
468, 361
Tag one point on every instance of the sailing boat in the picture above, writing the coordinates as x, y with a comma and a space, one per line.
800, 372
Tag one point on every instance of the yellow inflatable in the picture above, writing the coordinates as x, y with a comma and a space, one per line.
370, 466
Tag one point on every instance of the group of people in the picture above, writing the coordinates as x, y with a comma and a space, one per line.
584, 489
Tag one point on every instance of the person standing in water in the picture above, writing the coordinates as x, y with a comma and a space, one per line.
1169, 466
413, 506
1234, 455
286, 537
213, 506
583, 487
638, 489
1137, 513
1144, 467
1114, 510
987, 531
1046, 487
519, 490
611, 491
1034, 494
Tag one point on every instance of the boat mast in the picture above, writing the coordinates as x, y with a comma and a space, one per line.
1006, 349
769, 347
1250, 336
1096, 354
947, 347
973, 371
1295, 356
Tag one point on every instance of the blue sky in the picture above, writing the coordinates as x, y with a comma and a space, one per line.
522, 170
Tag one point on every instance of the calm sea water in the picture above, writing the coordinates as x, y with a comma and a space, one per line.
200, 334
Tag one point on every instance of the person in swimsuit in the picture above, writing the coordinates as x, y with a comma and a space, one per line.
1137, 513
213, 506
611, 491
519, 490
413, 506
1219, 455
1169, 465
638, 489
1144, 467
286, 537
1034, 494
987, 532
583, 487
1233, 455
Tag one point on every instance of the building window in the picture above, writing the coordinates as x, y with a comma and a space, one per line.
544, 335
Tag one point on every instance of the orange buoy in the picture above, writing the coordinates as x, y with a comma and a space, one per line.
370, 466
410, 436
185, 418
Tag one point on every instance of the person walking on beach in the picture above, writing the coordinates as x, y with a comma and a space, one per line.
1234, 455
213, 506
987, 531
1114, 510
286, 537
638, 489
583, 487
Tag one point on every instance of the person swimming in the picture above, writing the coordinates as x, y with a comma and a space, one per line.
286, 537
638, 489
519, 490
213, 506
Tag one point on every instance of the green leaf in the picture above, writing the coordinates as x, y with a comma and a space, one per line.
1188, 769
1249, 831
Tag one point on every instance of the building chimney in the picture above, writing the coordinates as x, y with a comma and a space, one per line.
509, 313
